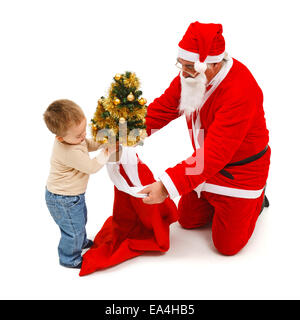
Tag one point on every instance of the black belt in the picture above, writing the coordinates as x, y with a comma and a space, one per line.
242, 162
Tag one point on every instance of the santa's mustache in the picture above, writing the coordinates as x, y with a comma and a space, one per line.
192, 92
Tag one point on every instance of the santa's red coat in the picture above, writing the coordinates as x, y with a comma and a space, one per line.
234, 129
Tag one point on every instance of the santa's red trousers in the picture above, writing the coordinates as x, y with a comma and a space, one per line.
233, 219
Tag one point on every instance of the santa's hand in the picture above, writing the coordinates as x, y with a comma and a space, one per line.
156, 192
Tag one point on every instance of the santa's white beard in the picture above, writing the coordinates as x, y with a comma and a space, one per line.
192, 92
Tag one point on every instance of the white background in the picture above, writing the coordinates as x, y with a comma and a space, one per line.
72, 49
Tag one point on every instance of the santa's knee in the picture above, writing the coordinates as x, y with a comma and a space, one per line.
186, 219
185, 223
228, 246
191, 219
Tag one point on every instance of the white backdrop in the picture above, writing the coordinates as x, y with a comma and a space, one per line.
72, 49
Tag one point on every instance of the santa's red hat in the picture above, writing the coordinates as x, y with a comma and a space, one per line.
202, 43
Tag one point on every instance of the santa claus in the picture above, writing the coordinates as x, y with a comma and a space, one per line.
224, 179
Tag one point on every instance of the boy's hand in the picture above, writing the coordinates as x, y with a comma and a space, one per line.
106, 151
103, 156
113, 147
115, 152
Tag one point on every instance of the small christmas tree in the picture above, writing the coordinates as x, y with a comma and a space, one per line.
121, 116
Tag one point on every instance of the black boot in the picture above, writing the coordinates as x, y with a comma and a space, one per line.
265, 204
266, 201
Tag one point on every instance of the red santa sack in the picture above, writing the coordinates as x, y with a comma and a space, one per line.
135, 227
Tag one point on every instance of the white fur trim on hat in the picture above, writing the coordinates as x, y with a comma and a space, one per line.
215, 59
194, 57
188, 55
200, 66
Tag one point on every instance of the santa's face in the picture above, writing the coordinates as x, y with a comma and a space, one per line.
187, 68
192, 92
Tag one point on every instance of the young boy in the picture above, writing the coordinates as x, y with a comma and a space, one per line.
68, 178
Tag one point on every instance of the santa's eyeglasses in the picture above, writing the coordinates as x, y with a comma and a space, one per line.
189, 69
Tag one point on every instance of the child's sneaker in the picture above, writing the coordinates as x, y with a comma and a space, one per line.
88, 244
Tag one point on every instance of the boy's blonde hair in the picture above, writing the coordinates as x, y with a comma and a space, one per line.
61, 115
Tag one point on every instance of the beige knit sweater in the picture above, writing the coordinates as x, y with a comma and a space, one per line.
71, 167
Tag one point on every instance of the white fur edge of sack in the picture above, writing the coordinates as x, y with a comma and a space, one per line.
200, 66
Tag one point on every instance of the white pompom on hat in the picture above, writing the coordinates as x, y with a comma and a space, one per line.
200, 66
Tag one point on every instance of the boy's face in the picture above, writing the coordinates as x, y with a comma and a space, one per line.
76, 134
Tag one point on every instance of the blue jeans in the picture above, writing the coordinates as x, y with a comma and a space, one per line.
70, 214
